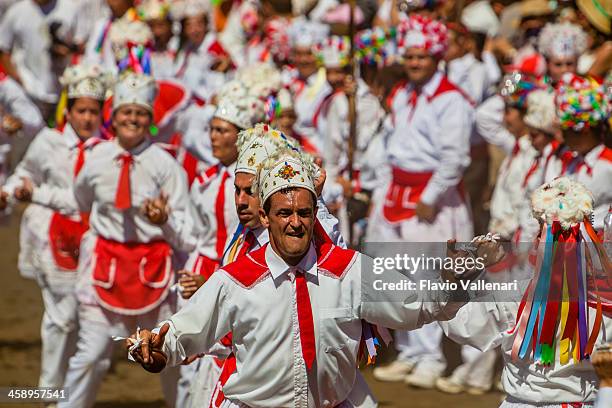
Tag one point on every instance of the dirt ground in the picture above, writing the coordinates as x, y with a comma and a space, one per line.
127, 385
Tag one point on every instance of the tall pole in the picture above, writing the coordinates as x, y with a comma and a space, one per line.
352, 105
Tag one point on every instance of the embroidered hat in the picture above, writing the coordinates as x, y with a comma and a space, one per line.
562, 40
259, 143
333, 52
541, 111
137, 89
89, 81
286, 169
243, 112
581, 102
422, 32
181, 9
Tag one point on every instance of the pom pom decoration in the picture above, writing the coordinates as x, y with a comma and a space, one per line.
516, 86
581, 102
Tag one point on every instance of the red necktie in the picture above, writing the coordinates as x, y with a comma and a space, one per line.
305, 320
220, 215
80, 161
123, 199
414, 97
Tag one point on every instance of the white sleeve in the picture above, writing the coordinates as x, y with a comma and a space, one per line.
16, 101
7, 30
403, 309
56, 198
494, 73
180, 229
456, 124
196, 137
29, 166
204, 320
489, 124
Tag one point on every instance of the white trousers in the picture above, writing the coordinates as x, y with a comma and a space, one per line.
420, 344
58, 333
92, 359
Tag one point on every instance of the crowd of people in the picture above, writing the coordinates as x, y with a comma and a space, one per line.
211, 168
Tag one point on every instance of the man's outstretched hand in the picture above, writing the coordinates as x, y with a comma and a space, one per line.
149, 354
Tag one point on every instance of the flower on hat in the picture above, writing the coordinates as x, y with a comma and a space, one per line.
153, 10
333, 52
541, 111
261, 80
375, 47
562, 40
581, 102
562, 200
516, 86
418, 31
276, 38
306, 33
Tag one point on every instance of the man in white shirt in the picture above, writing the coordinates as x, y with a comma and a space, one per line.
428, 151
30, 48
294, 307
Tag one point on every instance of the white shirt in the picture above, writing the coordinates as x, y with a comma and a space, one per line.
49, 163
14, 101
485, 325
598, 182
264, 324
203, 195
306, 102
471, 76
195, 126
24, 32
604, 398
433, 137
153, 171
509, 195
490, 123
192, 68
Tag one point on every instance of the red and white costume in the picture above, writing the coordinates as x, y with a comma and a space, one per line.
428, 151
126, 266
284, 318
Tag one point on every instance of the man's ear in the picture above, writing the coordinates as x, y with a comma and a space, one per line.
263, 218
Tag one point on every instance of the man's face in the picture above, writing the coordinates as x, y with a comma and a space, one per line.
304, 60
223, 137
195, 29
419, 65
85, 117
513, 120
290, 222
247, 203
131, 124
162, 31
559, 66
336, 77
119, 7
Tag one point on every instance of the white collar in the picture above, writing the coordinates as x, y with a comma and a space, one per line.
593, 155
73, 139
278, 267
144, 145
430, 88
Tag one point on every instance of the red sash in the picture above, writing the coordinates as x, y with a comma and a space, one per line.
403, 194
131, 278
65, 236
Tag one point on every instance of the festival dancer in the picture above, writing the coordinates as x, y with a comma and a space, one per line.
140, 214
45, 177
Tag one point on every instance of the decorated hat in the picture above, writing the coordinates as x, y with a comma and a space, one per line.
136, 89
259, 143
570, 260
276, 38
261, 80
375, 47
153, 10
333, 52
516, 86
131, 42
422, 32
89, 81
562, 40
306, 33
541, 111
243, 112
286, 169
181, 9
581, 102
